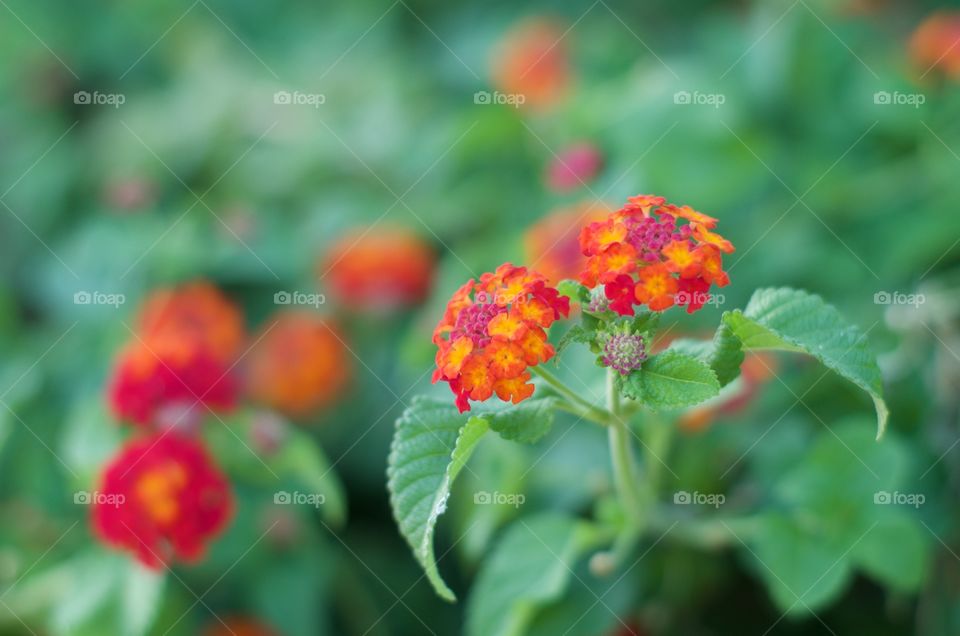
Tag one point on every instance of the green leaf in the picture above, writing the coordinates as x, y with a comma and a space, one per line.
574, 291
791, 320
525, 422
896, 551
672, 380
529, 568
430, 447
802, 571
725, 354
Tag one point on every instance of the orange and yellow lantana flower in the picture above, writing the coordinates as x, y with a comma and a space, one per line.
653, 253
492, 331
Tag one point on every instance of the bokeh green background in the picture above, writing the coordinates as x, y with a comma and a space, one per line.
818, 186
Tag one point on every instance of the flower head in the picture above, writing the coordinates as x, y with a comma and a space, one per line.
492, 331
623, 351
379, 270
653, 253
162, 498
298, 364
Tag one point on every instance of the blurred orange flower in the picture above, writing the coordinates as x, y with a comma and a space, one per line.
552, 244
161, 498
379, 269
532, 61
492, 331
197, 312
297, 365
936, 43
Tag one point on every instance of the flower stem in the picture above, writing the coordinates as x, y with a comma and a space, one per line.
625, 473
580, 406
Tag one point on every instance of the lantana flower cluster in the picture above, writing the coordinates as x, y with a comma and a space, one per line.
492, 331
653, 253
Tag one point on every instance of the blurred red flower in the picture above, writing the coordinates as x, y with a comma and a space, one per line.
187, 340
379, 269
574, 167
163, 499
532, 61
298, 365
552, 244
165, 382
936, 43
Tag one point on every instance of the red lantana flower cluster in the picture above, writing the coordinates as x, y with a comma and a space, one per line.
653, 253
162, 498
492, 331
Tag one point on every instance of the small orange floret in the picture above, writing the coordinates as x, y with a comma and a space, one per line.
682, 259
656, 288
514, 389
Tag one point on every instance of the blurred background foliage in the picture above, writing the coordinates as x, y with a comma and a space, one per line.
199, 174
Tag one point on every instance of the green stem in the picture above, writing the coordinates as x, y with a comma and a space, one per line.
587, 410
625, 473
